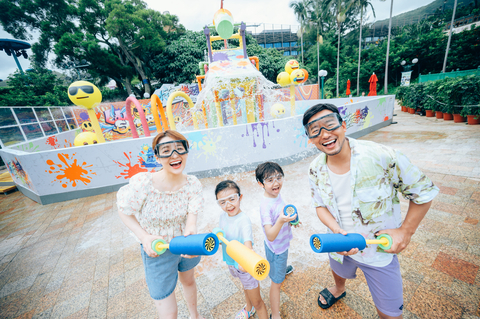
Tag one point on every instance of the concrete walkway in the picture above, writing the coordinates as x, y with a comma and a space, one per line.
75, 259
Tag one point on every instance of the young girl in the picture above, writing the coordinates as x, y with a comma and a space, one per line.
163, 205
237, 226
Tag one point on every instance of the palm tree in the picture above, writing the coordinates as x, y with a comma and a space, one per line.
385, 90
301, 11
363, 4
340, 9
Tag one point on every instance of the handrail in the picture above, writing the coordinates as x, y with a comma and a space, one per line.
169, 108
154, 101
131, 99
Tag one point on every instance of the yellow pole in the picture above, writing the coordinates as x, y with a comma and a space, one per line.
169, 108
219, 110
292, 99
232, 104
96, 126
250, 104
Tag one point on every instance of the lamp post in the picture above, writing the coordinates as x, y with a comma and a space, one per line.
75, 66
322, 74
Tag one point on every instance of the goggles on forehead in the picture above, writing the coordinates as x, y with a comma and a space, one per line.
73, 90
328, 122
166, 149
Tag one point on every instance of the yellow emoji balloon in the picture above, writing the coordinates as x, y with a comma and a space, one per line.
85, 138
88, 96
291, 66
283, 78
87, 126
298, 76
277, 110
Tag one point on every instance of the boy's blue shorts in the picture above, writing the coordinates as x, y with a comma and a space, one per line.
161, 273
278, 265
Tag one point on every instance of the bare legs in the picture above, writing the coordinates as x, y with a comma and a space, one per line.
275, 300
336, 290
167, 308
254, 299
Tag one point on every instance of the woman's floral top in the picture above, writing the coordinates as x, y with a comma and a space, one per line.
160, 213
378, 173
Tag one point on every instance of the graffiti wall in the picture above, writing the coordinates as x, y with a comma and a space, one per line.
214, 151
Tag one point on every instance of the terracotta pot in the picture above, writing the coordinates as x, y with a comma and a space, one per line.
404, 109
472, 121
429, 113
457, 118
439, 115
447, 117
411, 111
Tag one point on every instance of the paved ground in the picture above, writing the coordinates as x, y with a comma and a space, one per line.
76, 260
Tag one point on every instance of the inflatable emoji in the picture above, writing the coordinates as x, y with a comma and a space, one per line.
88, 96
85, 138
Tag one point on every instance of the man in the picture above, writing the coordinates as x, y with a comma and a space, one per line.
354, 189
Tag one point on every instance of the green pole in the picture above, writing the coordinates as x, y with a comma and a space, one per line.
322, 86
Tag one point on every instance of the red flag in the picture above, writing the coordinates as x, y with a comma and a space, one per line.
373, 85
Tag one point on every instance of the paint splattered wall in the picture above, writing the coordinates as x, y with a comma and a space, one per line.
212, 151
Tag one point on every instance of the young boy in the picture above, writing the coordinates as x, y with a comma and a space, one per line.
276, 227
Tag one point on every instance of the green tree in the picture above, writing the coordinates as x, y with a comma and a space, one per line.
300, 9
140, 32
179, 61
38, 88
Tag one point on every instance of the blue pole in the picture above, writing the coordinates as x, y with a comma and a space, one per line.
18, 63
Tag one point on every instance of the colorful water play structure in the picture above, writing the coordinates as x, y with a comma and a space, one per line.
234, 118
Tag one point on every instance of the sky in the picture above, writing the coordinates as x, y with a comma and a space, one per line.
195, 14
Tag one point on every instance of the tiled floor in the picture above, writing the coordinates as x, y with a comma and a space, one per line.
75, 259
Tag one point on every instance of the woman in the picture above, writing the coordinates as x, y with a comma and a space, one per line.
163, 205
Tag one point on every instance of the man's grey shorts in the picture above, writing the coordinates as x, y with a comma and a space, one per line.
385, 283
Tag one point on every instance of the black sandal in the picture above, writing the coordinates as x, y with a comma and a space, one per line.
329, 298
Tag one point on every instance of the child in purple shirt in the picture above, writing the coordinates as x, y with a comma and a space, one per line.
276, 227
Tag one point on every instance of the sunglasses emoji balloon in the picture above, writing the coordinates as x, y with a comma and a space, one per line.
88, 96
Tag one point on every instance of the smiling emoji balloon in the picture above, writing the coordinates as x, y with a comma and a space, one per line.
88, 96
291, 66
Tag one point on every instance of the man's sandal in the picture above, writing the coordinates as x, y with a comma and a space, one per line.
329, 298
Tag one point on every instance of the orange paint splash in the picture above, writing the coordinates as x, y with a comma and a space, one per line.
70, 172
52, 141
130, 170
385, 118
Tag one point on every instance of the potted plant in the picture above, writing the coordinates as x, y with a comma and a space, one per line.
471, 100
444, 93
429, 103
400, 95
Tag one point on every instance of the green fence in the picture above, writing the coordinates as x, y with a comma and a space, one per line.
441, 76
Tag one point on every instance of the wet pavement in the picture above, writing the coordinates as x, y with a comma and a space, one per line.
75, 259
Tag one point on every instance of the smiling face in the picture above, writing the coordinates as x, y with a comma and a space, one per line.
83, 93
175, 164
291, 66
229, 200
298, 76
329, 142
272, 184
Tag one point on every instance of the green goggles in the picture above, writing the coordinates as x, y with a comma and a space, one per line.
164, 150
328, 122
